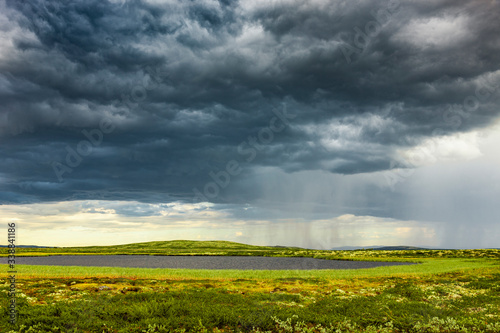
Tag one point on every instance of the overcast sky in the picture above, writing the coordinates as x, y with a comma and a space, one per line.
309, 123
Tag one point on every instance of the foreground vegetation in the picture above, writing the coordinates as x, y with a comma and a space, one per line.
455, 294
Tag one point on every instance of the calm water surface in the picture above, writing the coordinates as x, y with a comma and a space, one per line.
201, 262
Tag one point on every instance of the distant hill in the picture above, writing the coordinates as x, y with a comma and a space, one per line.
399, 248
381, 248
188, 244
226, 248
176, 247
347, 248
226, 245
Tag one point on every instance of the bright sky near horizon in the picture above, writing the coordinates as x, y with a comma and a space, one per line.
317, 124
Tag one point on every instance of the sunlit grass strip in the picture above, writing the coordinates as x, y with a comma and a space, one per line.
431, 266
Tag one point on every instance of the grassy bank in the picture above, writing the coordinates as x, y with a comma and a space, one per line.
439, 295
426, 266
459, 301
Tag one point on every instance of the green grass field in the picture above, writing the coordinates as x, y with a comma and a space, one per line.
450, 291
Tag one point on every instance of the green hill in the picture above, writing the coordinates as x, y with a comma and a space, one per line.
176, 247
226, 248
187, 244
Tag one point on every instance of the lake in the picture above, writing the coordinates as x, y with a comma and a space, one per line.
202, 262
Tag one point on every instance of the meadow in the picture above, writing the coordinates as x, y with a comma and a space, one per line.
449, 291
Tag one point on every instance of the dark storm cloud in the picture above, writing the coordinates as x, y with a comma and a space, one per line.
184, 86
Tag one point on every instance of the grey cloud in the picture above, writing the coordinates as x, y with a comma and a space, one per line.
185, 84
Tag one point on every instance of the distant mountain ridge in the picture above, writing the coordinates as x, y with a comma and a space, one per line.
382, 248
183, 244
